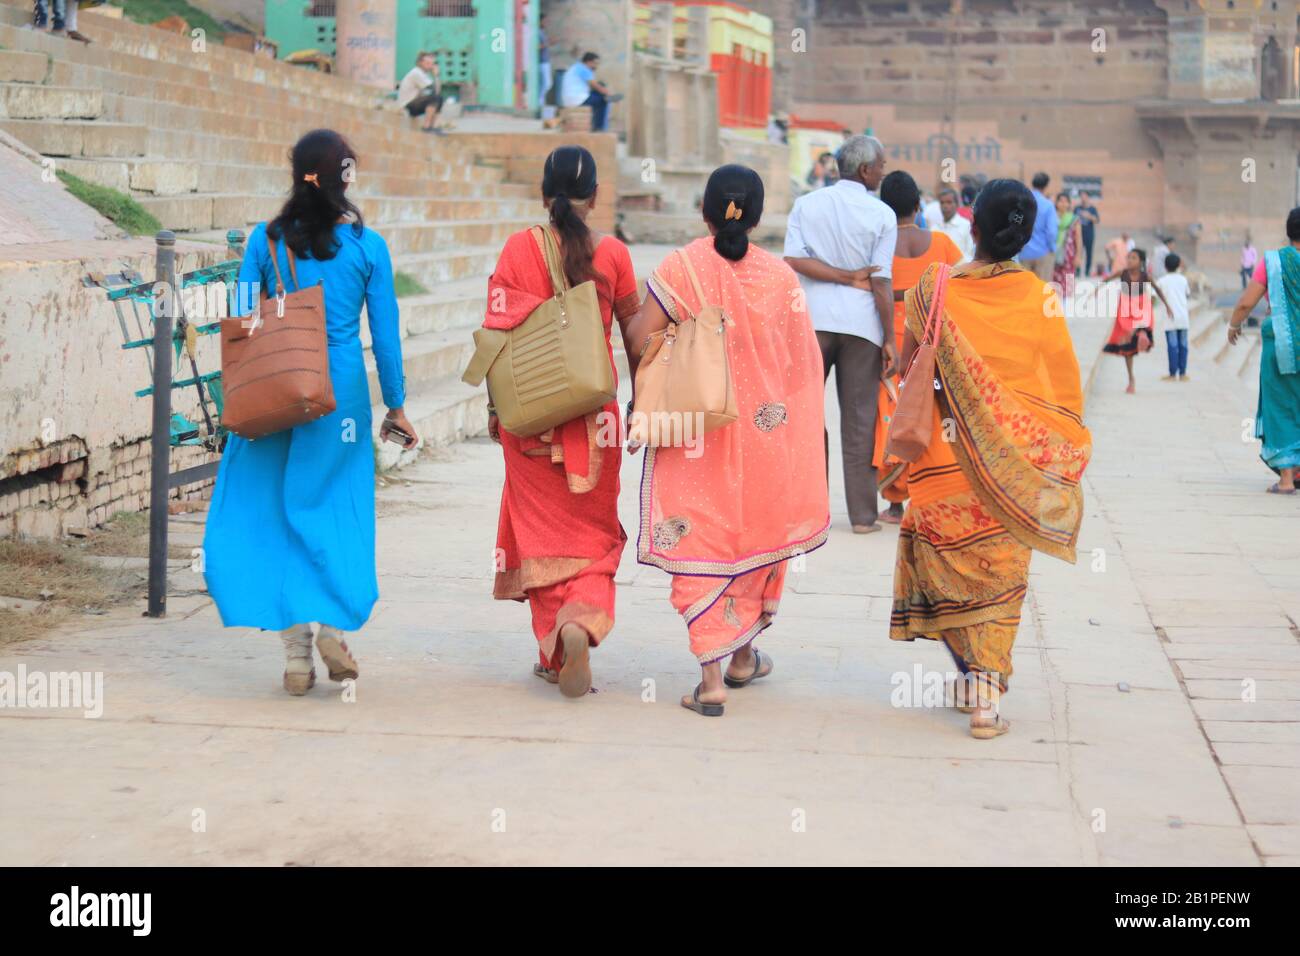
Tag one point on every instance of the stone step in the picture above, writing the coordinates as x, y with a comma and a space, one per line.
23, 66
98, 138
29, 101
195, 212
426, 360
445, 412
432, 269
409, 238
146, 43
158, 177
458, 305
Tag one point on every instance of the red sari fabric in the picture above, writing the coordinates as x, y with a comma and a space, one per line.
559, 539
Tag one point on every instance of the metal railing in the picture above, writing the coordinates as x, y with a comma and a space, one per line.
153, 318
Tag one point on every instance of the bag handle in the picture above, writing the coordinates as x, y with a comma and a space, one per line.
930, 334
275, 264
554, 264
690, 313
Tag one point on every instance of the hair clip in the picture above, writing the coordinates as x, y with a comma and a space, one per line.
734, 211
313, 179
1016, 217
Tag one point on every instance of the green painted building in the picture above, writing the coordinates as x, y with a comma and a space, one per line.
486, 49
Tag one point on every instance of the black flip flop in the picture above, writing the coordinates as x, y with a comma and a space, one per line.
700, 707
758, 671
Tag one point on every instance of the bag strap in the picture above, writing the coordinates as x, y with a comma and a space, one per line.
930, 335
554, 263
695, 280
275, 264
690, 313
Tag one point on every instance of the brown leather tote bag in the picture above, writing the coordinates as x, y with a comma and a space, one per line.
275, 368
912, 426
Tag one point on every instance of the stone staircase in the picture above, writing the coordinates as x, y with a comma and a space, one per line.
200, 139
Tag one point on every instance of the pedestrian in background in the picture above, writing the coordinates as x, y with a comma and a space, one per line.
1039, 253
841, 242
1277, 416
1174, 292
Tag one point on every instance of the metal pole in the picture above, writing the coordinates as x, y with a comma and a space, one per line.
165, 304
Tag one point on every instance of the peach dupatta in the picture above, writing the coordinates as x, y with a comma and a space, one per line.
752, 494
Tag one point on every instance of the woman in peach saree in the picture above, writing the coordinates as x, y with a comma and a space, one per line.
916, 249
725, 516
1000, 478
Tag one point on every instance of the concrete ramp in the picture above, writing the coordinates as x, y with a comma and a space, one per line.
34, 206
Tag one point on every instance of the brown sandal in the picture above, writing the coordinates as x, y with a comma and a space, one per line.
575, 672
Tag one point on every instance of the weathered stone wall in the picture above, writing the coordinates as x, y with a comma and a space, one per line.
73, 434
600, 26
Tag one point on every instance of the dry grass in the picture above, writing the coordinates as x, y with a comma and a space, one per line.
56, 574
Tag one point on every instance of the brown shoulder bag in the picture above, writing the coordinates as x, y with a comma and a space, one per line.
912, 425
275, 367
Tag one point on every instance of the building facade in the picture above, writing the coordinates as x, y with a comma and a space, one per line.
1180, 113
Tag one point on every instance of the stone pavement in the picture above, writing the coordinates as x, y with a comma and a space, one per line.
1131, 744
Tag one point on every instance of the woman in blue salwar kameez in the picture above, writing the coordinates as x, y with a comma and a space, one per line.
290, 537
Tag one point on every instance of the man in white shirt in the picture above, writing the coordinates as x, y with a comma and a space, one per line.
840, 239
419, 92
955, 227
1173, 286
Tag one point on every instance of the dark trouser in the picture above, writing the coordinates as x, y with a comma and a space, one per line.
1245, 277
1087, 256
418, 105
1176, 339
599, 104
857, 365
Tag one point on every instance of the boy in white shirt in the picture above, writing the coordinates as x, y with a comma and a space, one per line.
1174, 286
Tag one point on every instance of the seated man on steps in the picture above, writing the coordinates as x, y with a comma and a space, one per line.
419, 93
581, 88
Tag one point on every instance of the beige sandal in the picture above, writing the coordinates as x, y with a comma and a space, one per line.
986, 728
546, 674
299, 674
575, 672
334, 652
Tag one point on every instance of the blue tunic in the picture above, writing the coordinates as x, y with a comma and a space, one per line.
291, 529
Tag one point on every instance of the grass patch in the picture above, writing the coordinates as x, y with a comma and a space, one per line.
125, 212
151, 11
406, 284
52, 573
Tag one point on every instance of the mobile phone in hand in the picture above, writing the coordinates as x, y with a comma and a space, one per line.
398, 436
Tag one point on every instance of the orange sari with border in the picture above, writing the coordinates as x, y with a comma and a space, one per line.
726, 516
1001, 476
559, 539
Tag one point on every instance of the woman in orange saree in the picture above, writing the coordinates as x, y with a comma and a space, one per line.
724, 515
917, 248
1000, 478
558, 537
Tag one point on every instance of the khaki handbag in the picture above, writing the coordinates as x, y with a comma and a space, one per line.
684, 376
554, 366
912, 426
275, 369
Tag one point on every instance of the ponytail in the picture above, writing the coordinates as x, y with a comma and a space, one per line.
569, 174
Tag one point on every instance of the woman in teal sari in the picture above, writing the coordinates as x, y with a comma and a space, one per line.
1277, 422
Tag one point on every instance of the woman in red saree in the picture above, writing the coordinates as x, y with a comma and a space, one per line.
558, 537
1134, 321
724, 517
1000, 477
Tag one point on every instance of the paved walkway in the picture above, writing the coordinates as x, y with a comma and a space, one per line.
1131, 742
